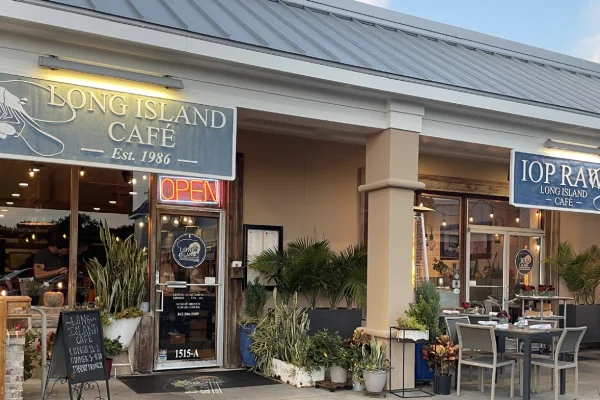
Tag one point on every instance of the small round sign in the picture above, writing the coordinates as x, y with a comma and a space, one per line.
524, 262
189, 250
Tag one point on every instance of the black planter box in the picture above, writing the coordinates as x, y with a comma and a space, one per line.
343, 321
584, 315
442, 384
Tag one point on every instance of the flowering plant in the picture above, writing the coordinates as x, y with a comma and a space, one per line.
441, 355
354, 347
527, 289
503, 316
465, 305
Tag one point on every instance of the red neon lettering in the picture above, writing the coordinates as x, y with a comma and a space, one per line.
179, 189
208, 189
199, 189
165, 189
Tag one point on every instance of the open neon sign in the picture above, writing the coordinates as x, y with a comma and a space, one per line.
194, 191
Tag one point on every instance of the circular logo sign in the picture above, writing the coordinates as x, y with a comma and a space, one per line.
524, 262
189, 250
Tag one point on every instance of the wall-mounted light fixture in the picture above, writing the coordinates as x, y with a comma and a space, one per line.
582, 148
56, 63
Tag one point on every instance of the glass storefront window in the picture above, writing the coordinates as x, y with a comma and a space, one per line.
442, 230
119, 198
500, 213
34, 227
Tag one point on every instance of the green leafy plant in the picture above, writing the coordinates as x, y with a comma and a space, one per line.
441, 355
354, 281
112, 348
580, 271
373, 357
33, 289
255, 298
282, 334
410, 323
440, 266
426, 308
32, 353
353, 348
325, 348
298, 269
120, 283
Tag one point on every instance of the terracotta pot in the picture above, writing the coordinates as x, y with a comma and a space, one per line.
54, 299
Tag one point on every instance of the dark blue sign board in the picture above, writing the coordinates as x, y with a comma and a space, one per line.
189, 250
71, 124
552, 183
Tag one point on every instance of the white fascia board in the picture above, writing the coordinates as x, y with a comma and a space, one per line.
395, 87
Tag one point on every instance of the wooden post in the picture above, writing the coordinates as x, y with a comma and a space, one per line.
73, 237
235, 244
3, 324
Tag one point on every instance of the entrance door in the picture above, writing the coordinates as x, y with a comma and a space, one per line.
189, 291
499, 261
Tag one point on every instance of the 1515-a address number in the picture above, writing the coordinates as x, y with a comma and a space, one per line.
186, 353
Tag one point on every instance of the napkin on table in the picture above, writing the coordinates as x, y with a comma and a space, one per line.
540, 326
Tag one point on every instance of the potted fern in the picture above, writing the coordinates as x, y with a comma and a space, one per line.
255, 298
375, 366
120, 285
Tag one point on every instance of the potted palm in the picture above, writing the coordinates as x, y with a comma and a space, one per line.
374, 366
120, 285
581, 273
112, 349
255, 298
441, 357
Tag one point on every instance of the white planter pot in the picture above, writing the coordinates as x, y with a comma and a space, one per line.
357, 386
125, 328
338, 374
295, 376
375, 381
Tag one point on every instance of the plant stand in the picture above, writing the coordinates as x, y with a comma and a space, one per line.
403, 392
331, 386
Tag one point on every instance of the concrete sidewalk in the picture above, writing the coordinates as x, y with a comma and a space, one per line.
589, 388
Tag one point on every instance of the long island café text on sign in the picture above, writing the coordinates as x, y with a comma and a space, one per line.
541, 181
63, 123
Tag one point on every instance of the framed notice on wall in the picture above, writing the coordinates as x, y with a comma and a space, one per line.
258, 238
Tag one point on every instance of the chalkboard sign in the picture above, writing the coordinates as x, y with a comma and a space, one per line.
78, 353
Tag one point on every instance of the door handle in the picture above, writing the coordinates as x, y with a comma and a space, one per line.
176, 284
162, 300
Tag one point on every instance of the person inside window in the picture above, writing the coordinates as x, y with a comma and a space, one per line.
50, 262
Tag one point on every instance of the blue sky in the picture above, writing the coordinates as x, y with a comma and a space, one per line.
565, 26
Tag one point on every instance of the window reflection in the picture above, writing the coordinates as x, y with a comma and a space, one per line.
34, 226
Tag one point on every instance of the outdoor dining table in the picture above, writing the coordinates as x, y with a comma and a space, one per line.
528, 336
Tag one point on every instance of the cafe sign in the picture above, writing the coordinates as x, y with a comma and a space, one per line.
70, 124
541, 181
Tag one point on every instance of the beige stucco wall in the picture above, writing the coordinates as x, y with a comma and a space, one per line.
307, 186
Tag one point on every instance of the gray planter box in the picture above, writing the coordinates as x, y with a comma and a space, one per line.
584, 315
343, 321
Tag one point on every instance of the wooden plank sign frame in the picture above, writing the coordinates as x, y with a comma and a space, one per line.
78, 356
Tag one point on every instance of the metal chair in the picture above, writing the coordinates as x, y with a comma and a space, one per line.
453, 333
568, 343
483, 339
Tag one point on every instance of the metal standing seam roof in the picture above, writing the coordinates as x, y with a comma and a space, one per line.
341, 39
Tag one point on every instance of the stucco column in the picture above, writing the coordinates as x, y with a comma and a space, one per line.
391, 179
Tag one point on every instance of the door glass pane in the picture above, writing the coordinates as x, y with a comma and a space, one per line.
183, 257
188, 263
187, 325
527, 246
486, 267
